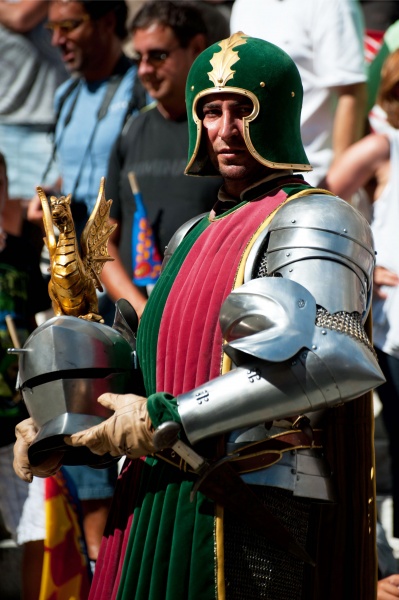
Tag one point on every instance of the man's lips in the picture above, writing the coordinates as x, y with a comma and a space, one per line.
230, 153
150, 82
68, 56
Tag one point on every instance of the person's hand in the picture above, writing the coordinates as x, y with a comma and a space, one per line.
128, 432
388, 588
34, 213
26, 432
383, 276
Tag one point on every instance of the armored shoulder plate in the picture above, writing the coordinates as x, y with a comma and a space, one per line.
179, 235
319, 241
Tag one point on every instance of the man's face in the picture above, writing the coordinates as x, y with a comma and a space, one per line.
222, 119
163, 65
82, 41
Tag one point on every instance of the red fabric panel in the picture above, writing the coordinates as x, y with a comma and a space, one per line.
113, 546
190, 340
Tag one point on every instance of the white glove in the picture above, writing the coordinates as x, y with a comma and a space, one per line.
128, 432
26, 432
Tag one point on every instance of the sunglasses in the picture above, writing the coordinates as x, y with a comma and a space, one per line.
153, 57
66, 25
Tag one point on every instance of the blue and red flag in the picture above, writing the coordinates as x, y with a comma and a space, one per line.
146, 260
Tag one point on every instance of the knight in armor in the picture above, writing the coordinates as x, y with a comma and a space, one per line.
251, 346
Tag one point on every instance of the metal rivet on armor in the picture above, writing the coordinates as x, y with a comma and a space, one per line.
301, 303
304, 354
292, 94
288, 254
293, 220
192, 88
314, 347
262, 84
345, 230
293, 471
290, 270
323, 332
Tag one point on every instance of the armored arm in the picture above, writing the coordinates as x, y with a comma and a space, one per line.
295, 329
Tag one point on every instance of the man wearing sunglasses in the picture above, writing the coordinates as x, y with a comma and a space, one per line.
167, 37
94, 104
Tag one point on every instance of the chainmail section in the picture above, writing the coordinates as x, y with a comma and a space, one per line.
261, 266
255, 567
347, 323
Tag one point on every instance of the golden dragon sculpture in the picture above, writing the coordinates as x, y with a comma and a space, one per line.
74, 275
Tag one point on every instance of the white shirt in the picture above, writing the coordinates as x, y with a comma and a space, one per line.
384, 226
325, 40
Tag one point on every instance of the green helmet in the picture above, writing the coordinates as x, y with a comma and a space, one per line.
268, 76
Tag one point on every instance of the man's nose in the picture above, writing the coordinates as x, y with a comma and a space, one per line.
58, 38
228, 126
145, 67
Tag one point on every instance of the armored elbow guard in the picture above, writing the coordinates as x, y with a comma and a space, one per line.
291, 357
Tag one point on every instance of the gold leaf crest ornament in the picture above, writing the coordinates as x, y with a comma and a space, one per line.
74, 275
224, 60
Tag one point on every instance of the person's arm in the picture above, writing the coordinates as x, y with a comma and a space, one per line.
350, 115
383, 277
388, 588
22, 16
358, 165
116, 279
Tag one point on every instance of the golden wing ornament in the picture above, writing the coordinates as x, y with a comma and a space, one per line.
94, 238
74, 274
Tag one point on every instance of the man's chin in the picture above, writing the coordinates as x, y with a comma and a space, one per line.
154, 90
233, 172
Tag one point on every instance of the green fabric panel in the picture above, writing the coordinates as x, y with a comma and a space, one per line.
135, 548
148, 331
295, 188
374, 75
161, 408
195, 516
161, 548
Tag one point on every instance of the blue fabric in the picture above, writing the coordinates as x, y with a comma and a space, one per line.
27, 148
93, 483
76, 160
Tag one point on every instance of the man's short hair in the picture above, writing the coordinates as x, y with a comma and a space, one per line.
182, 17
98, 8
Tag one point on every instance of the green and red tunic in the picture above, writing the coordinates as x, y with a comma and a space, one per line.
158, 544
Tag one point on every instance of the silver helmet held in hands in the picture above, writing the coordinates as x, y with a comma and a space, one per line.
64, 366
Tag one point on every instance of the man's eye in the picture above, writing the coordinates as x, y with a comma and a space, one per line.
245, 111
211, 112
